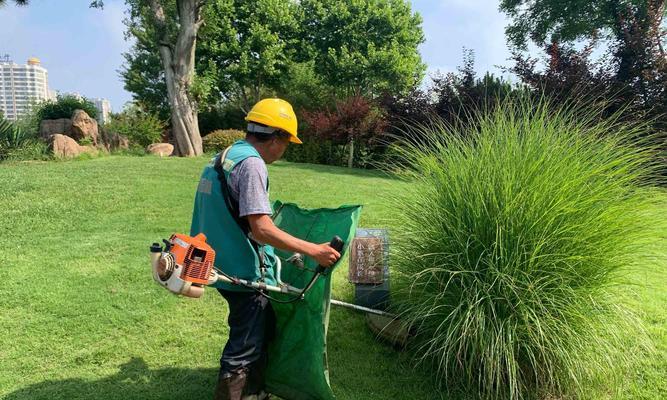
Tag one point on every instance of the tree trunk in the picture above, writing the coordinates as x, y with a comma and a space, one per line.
350, 158
178, 61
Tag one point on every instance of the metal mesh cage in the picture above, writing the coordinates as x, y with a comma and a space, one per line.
369, 257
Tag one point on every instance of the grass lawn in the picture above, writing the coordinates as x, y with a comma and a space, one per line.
81, 318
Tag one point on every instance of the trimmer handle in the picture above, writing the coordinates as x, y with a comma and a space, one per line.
336, 243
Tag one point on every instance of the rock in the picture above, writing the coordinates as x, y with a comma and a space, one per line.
50, 127
84, 127
123, 142
64, 146
160, 149
115, 141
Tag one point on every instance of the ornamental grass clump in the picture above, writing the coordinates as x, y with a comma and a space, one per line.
516, 239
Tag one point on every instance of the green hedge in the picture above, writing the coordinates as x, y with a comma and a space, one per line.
220, 139
312, 151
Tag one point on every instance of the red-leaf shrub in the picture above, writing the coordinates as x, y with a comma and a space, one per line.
352, 118
347, 130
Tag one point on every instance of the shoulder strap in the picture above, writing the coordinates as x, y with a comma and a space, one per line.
233, 205
230, 202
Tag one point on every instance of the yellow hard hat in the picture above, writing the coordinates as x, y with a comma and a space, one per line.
275, 113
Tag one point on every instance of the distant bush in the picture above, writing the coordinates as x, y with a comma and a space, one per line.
141, 128
64, 107
228, 115
404, 110
29, 122
221, 139
314, 151
33, 149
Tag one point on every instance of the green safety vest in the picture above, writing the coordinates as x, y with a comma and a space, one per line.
234, 253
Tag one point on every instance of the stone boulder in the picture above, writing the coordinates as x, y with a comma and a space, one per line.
84, 127
160, 149
64, 146
115, 141
50, 127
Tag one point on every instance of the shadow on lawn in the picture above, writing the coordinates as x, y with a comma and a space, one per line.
134, 381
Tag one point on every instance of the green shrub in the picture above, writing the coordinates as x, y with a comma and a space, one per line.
64, 107
32, 150
313, 150
17, 143
225, 114
29, 122
141, 128
220, 139
516, 237
316, 150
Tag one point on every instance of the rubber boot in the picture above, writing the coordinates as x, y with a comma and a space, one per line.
255, 376
254, 389
230, 385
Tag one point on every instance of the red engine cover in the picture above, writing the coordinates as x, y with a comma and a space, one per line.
195, 255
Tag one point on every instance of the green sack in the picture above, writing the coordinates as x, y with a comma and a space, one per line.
297, 368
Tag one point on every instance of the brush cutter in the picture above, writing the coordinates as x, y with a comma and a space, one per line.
185, 266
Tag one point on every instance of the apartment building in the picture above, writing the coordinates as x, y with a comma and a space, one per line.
103, 110
22, 86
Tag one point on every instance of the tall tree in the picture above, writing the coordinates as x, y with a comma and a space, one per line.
546, 21
172, 27
634, 27
143, 75
244, 50
569, 73
247, 48
635, 74
365, 46
299, 50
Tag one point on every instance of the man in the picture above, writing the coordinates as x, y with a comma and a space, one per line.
232, 209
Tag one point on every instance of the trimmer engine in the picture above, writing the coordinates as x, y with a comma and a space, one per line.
184, 266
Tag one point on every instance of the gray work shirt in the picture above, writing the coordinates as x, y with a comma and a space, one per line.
247, 185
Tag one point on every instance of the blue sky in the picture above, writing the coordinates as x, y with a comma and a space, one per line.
82, 47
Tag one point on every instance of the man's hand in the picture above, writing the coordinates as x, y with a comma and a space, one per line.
324, 254
264, 231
